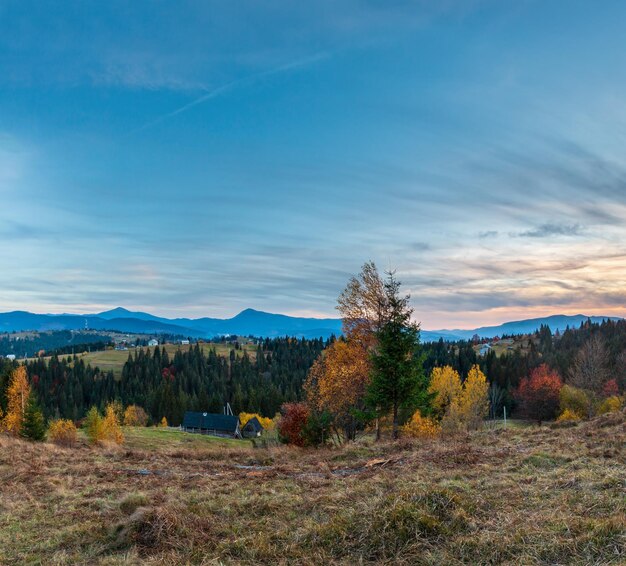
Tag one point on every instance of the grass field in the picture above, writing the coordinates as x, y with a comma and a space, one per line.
114, 360
525, 495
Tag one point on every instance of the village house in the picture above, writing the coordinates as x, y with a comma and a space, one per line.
213, 424
252, 429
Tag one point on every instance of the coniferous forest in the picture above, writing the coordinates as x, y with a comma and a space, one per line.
167, 386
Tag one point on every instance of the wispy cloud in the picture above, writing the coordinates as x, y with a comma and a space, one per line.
238, 83
549, 230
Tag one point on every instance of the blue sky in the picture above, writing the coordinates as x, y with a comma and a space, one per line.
198, 158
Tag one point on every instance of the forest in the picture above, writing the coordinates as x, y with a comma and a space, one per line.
167, 386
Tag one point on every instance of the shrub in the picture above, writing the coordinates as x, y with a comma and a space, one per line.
292, 423
539, 393
421, 427
163, 423
63, 432
568, 416
112, 429
135, 416
610, 388
574, 399
609, 405
94, 426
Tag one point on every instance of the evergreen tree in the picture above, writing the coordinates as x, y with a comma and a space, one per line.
398, 380
33, 425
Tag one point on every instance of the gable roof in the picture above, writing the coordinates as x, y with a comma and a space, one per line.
254, 424
211, 421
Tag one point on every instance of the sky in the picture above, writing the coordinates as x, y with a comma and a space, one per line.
199, 158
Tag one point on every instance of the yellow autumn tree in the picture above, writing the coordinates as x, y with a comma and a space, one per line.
469, 409
421, 427
474, 401
446, 387
93, 426
63, 432
112, 430
18, 393
163, 423
337, 383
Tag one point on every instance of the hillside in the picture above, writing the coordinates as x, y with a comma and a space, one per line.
532, 495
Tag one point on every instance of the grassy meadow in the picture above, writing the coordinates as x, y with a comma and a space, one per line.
524, 495
114, 360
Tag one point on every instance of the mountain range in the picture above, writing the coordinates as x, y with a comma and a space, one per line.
251, 322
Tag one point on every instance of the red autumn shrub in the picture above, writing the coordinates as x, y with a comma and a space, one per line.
538, 394
292, 423
610, 388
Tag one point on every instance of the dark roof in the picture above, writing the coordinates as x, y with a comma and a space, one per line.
254, 424
211, 421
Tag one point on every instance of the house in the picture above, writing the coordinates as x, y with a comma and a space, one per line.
11, 357
485, 349
153, 342
185, 342
212, 424
252, 428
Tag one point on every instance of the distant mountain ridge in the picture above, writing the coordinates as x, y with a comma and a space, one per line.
255, 323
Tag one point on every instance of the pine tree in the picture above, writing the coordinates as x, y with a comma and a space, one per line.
398, 380
33, 425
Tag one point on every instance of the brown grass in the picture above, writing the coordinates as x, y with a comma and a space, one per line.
519, 496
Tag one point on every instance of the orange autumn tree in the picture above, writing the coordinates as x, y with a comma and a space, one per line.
18, 393
337, 382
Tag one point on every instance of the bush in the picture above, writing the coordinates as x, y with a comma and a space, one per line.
568, 416
421, 427
610, 405
135, 416
293, 422
63, 432
163, 423
576, 400
539, 394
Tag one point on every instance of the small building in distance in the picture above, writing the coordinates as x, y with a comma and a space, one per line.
184, 342
484, 349
10, 357
252, 429
153, 342
226, 426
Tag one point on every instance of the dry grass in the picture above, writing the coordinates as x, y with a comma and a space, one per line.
531, 495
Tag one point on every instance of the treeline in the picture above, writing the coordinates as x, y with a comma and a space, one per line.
558, 351
58, 341
167, 386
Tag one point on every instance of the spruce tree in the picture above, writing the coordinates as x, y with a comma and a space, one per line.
33, 425
398, 380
